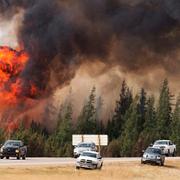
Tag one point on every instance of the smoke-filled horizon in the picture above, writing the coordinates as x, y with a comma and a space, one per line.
84, 43
136, 36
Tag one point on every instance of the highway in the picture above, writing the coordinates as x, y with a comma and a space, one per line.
65, 161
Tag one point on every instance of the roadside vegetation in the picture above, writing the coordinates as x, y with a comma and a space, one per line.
136, 122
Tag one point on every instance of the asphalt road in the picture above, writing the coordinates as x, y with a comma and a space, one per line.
64, 161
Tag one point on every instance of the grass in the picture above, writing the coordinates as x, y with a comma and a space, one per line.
110, 171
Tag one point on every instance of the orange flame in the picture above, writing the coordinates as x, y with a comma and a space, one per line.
15, 97
11, 65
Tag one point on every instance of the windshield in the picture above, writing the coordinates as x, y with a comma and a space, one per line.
12, 143
93, 155
161, 142
153, 150
84, 145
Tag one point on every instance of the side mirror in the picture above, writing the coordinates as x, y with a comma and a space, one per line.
151, 145
143, 151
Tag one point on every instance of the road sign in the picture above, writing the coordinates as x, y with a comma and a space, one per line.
99, 140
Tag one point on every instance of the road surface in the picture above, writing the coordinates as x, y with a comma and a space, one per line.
65, 161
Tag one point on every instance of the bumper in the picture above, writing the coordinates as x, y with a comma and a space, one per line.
157, 161
9, 154
86, 165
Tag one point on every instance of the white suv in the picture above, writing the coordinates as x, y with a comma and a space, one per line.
84, 146
167, 147
90, 160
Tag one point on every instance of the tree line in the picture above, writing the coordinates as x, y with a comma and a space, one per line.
137, 121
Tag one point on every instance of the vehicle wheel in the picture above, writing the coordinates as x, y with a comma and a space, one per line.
2, 157
18, 157
101, 166
169, 152
77, 167
162, 163
142, 162
24, 157
7, 157
174, 153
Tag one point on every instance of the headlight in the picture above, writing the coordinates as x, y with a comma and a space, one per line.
144, 155
158, 157
1, 149
17, 150
94, 162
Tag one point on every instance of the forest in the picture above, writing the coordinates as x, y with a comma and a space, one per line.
137, 121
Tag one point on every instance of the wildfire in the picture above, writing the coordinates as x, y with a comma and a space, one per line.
16, 94
12, 63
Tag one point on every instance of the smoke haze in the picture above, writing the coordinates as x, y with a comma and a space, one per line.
99, 42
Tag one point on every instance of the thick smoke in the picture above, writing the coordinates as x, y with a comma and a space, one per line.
61, 35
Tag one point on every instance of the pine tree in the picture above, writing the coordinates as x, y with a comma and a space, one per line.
33, 137
20, 133
99, 125
36, 144
59, 143
130, 133
64, 129
141, 107
175, 136
147, 136
109, 128
122, 106
2, 136
87, 123
164, 112
113, 149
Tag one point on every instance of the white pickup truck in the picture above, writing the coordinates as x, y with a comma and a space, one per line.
166, 146
89, 160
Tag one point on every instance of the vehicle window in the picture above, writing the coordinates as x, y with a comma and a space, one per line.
170, 143
84, 145
161, 142
89, 154
13, 143
153, 150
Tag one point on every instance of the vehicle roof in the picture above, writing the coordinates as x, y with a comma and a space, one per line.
11, 140
86, 143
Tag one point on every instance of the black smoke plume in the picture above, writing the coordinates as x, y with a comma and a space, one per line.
60, 35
